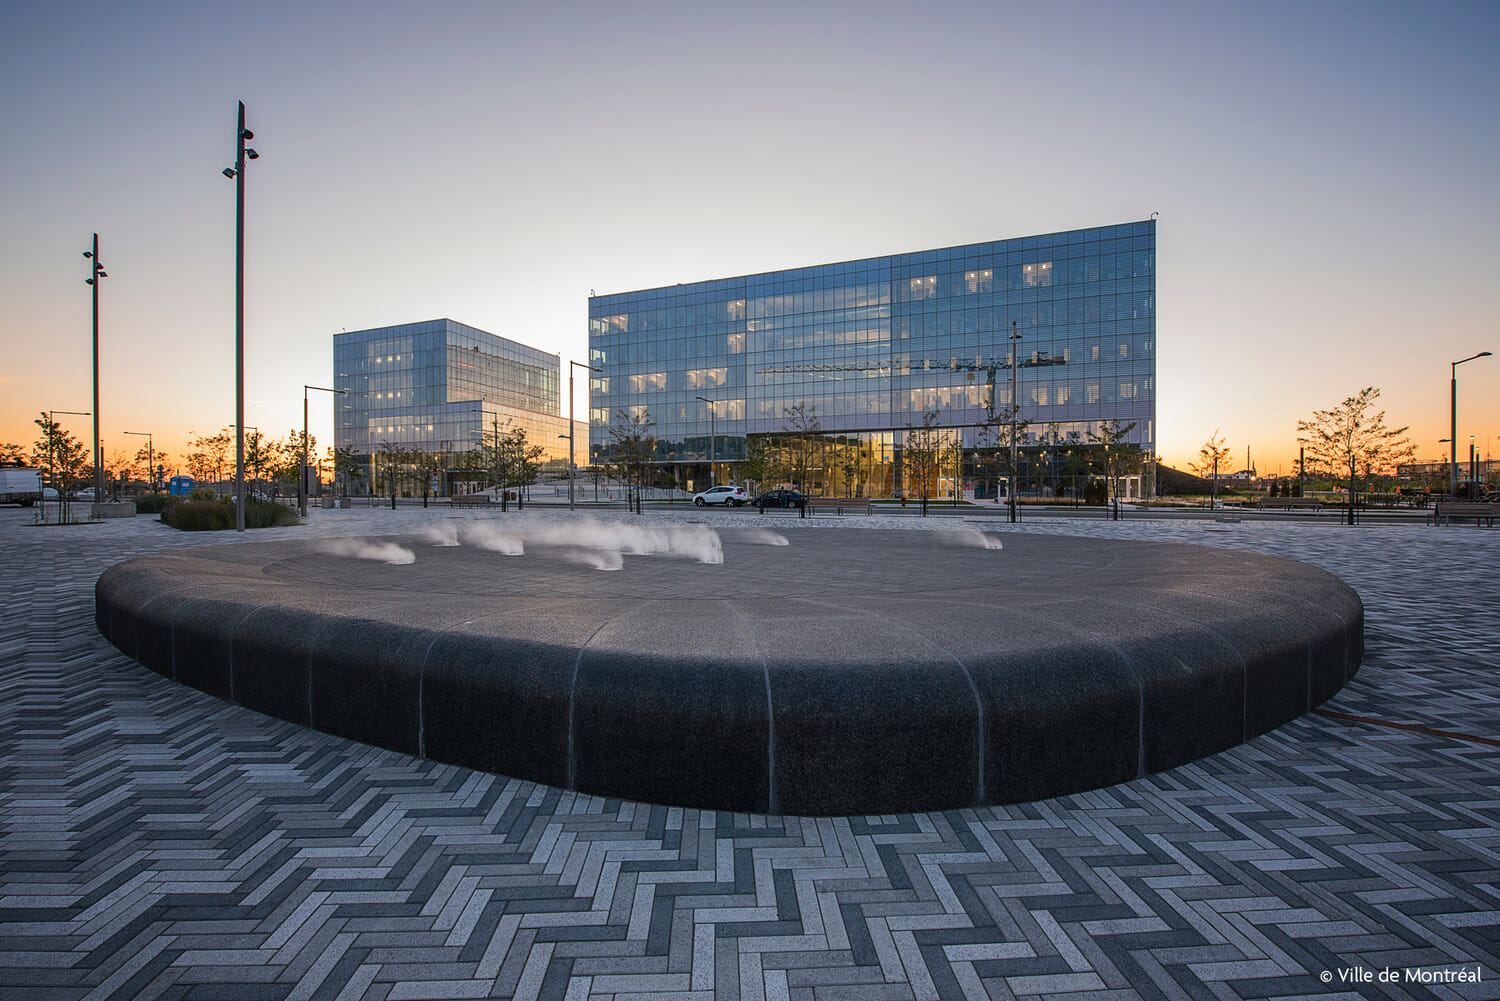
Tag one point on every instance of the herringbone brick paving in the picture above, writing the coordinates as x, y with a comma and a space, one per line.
158, 843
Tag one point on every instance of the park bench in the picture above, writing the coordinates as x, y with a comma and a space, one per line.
469, 500
1291, 504
839, 505
1445, 511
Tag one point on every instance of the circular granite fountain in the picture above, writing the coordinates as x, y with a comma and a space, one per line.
851, 671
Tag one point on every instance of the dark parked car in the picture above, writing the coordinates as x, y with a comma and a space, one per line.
779, 498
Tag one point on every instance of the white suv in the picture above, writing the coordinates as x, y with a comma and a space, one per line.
726, 495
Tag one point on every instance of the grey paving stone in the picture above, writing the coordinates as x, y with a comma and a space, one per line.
1326, 843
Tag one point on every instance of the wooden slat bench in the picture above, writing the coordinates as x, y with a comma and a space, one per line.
1291, 504
469, 500
839, 505
1445, 511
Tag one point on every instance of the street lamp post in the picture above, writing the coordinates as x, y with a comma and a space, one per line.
237, 174
1015, 409
98, 272
571, 432
1453, 428
713, 473
302, 476
150, 456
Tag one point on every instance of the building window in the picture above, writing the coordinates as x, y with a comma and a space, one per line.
923, 288
706, 378
647, 382
1037, 274
979, 281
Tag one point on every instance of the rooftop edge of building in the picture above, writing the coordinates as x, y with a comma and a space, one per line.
1151, 221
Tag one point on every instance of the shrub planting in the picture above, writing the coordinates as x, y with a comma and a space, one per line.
218, 515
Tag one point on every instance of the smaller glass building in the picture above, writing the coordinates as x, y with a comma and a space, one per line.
441, 387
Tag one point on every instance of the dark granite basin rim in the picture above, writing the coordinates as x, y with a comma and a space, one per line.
853, 671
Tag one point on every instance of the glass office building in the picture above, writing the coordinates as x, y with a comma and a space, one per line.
441, 387
870, 347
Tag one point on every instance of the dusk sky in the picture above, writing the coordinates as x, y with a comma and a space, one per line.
1325, 173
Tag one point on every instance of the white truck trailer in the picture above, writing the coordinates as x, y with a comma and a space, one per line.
20, 486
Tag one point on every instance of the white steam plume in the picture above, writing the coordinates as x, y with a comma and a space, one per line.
363, 549
487, 535
441, 535
762, 537
970, 537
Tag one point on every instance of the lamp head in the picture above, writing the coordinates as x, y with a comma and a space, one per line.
250, 153
88, 253
246, 134
1483, 354
229, 172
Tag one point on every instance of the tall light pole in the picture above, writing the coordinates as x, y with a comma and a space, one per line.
302, 477
237, 174
98, 449
1015, 410
571, 430
713, 474
150, 457
1453, 429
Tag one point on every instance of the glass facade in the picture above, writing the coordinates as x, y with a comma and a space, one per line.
871, 346
440, 386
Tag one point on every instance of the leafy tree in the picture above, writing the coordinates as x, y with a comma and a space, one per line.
214, 450
1001, 430
1121, 456
1348, 439
392, 461
63, 456
12, 455
1213, 461
1078, 460
851, 464
596, 472
347, 465
924, 447
803, 428
632, 448
759, 464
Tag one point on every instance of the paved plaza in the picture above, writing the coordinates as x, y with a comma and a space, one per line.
156, 842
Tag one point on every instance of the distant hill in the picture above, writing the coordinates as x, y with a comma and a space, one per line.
1176, 483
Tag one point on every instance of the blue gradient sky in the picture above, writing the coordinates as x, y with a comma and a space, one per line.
1325, 173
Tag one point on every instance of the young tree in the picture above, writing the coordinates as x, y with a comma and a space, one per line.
1348, 439
633, 447
260, 455
12, 455
1000, 437
1213, 459
759, 464
118, 469
923, 452
1121, 456
801, 424
63, 456
1078, 460
214, 449
851, 464
347, 465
